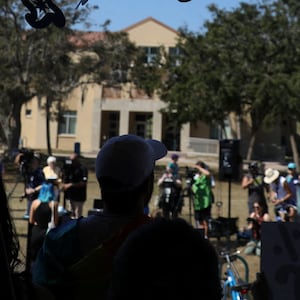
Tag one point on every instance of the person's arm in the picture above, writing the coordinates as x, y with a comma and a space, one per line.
55, 211
287, 196
246, 181
202, 170
250, 223
161, 179
32, 210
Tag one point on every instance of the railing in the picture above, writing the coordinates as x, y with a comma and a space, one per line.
204, 146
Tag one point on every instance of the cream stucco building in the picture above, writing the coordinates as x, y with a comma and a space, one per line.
107, 112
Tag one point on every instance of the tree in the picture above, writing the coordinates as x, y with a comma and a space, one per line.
27, 56
245, 62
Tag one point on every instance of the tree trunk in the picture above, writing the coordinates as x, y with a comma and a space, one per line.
251, 145
48, 105
294, 149
15, 125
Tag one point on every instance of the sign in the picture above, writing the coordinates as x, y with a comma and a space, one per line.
280, 260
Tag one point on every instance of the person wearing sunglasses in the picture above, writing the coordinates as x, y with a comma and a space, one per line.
257, 217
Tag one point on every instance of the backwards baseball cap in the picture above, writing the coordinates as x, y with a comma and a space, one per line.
291, 165
128, 159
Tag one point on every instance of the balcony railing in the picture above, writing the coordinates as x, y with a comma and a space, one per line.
208, 147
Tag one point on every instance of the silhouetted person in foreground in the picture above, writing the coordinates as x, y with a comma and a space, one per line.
76, 257
16, 282
167, 260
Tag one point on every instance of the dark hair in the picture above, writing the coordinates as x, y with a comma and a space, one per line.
166, 259
263, 205
174, 156
122, 201
202, 164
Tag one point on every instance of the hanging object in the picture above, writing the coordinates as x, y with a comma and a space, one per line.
43, 13
82, 2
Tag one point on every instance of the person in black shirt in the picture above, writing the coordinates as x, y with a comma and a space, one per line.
254, 182
75, 186
34, 178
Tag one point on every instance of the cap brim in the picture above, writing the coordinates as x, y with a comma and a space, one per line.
159, 149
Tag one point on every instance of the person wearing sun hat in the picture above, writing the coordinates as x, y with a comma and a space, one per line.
280, 195
76, 258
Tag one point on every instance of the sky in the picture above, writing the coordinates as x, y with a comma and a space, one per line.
124, 13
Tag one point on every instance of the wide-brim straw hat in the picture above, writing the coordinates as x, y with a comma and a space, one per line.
270, 175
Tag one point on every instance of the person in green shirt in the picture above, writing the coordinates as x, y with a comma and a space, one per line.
202, 193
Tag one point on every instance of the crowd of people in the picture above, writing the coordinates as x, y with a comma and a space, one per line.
116, 248
268, 189
44, 183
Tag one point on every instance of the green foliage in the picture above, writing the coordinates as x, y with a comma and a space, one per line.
34, 62
246, 61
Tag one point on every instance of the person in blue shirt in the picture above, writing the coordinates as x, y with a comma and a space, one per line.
293, 180
174, 164
174, 168
280, 195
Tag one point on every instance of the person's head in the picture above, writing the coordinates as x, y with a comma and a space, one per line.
51, 161
166, 259
253, 167
74, 159
260, 207
202, 165
34, 161
291, 167
271, 175
175, 157
125, 172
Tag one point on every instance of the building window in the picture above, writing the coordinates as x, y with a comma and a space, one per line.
67, 125
143, 125
150, 54
113, 124
28, 112
174, 53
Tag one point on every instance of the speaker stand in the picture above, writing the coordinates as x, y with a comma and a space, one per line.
229, 196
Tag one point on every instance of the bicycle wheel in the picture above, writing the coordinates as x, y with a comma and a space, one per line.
238, 265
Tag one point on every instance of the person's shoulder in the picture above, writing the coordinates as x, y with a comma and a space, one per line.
64, 232
267, 217
252, 215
